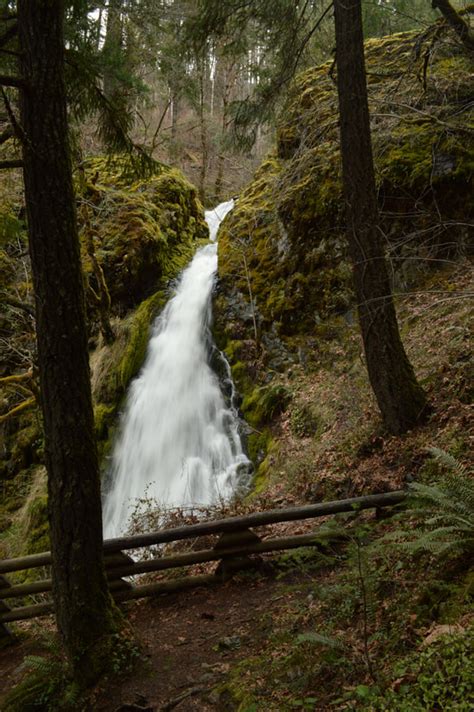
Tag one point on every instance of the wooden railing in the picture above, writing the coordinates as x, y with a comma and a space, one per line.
237, 542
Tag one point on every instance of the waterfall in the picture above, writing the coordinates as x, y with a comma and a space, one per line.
178, 439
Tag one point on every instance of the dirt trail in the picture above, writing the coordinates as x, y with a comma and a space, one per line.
188, 642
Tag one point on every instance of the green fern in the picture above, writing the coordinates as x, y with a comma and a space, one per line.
46, 685
447, 460
319, 639
446, 509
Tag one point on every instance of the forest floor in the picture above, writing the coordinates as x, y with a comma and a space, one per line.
357, 628
186, 644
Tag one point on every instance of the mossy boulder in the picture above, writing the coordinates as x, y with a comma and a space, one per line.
283, 267
144, 231
113, 366
282, 251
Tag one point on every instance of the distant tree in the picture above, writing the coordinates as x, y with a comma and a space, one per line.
272, 40
384, 17
83, 606
458, 24
400, 398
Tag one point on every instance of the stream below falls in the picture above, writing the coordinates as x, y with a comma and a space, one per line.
178, 443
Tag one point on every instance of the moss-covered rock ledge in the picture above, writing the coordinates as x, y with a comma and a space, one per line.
283, 271
146, 231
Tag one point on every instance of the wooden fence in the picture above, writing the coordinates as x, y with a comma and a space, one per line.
236, 543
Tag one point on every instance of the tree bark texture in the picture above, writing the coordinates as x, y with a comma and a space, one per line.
401, 400
82, 602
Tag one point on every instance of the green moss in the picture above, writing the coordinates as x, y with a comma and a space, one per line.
264, 445
304, 422
31, 528
283, 245
38, 530
27, 448
11, 227
144, 231
117, 364
134, 354
438, 677
264, 403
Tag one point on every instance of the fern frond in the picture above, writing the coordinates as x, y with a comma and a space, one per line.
319, 639
447, 460
445, 513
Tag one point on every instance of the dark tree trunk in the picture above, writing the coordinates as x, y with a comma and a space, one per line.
225, 87
112, 47
83, 606
460, 27
174, 114
401, 400
203, 135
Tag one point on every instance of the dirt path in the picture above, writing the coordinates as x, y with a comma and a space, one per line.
188, 641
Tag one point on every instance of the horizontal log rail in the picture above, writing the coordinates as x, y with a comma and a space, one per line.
173, 562
232, 550
231, 524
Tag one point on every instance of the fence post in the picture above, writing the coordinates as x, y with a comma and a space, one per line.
6, 636
116, 583
230, 564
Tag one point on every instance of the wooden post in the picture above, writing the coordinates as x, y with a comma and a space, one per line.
116, 582
230, 564
6, 636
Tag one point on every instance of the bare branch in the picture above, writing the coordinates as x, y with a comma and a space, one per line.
17, 130
15, 163
7, 81
16, 378
19, 305
18, 409
5, 135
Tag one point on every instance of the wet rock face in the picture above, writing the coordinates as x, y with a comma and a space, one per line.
144, 232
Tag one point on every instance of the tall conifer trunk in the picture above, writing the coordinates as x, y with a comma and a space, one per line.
82, 602
401, 400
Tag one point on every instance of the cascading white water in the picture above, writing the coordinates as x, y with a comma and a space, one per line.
179, 442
